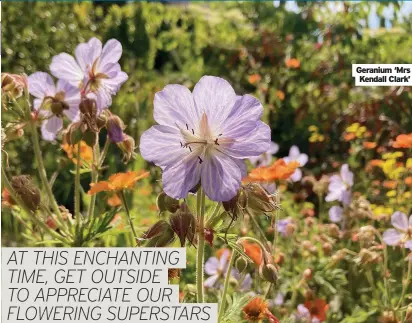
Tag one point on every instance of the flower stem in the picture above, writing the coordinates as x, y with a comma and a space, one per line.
95, 176
126, 208
201, 245
226, 285
405, 285
104, 152
42, 170
77, 191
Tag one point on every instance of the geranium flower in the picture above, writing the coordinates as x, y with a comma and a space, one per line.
281, 226
52, 102
257, 309
402, 232
336, 214
340, 186
302, 159
118, 182
317, 309
403, 141
266, 158
204, 137
216, 268
95, 69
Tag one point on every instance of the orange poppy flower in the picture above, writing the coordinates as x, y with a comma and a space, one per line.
280, 95
118, 182
257, 309
254, 251
369, 145
403, 141
278, 170
254, 78
390, 184
408, 180
317, 308
292, 63
349, 136
86, 152
376, 163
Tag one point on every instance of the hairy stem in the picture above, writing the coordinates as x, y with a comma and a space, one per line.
405, 285
77, 191
201, 245
95, 176
129, 218
226, 285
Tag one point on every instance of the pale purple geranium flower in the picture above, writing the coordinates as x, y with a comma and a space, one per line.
302, 159
281, 226
336, 213
265, 159
52, 102
204, 136
216, 268
95, 69
340, 186
402, 232
302, 315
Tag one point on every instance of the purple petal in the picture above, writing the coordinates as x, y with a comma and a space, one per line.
50, 127
161, 145
410, 220
40, 85
181, 177
65, 67
223, 260
246, 283
296, 176
346, 174
335, 214
333, 196
211, 281
269, 187
273, 148
212, 266
87, 53
392, 237
174, 105
112, 51
408, 244
103, 99
220, 177
303, 311
215, 97
400, 221
115, 132
279, 299
302, 159
112, 85
72, 98
255, 144
242, 166
346, 197
294, 153
246, 108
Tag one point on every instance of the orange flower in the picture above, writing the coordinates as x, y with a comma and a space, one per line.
6, 200
403, 141
408, 180
255, 310
292, 63
369, 145
278, 170
390, 184
118, 182
349, 136
86, 152
376, 163
114, 200
317, 308
254, 251
280, 95
254, 78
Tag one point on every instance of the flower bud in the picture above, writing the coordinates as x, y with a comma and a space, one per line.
14, 131
241, 264
367, 234
367, 257
237, 205
338, 256
259, 200
290, 229
333, 230
268, 272
88, 107
163, 239
6, 199
127, 146
51, 223
12, 85
307, 245
327, 248
72, 134
307, 274
166, 203
184, 224
156, 229
115, 127
280, 258
29, 194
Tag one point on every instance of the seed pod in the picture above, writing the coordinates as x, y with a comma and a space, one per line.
72, 134
26, 190
160, 234
90, 138
367, 257
127, 146
241, 264
184, 224
268, 272
156, 229
12, 85
237, 205
259, 200
166, 203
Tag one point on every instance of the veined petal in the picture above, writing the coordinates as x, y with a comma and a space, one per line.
346, 174
246, 108
111, 53
175, 105
71, 97
392, 237
220, 177
211, 281
103, 100
51, 127
408, 244
40, 85
400, 221
215, 97
87, 53
182, 176
162, 145
64, 66
212, 266
333, 196
112, 85
254, 144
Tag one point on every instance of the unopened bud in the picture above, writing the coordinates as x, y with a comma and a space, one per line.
237, 205
13, 85
307, 274
388, 317
290, 229
268, 272
241, 264
367, 234
115, 127
327, 248
367, 257
166, 203
72, 134
184, 224
333, 230
307, 245
25, 189
127, 146
13, 131
88, 107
